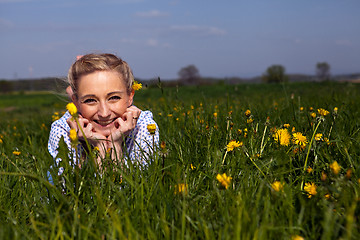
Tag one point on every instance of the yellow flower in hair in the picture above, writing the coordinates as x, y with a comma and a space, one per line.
151, 128
224, 179
71, 108
136, 86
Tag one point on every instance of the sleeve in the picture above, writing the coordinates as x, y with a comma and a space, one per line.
59, 129
56, 133
143, 144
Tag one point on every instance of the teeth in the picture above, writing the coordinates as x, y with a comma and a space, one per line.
104, 123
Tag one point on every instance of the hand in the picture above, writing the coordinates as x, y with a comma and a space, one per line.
125, 124
88, 130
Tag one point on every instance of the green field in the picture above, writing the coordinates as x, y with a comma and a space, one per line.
304, 184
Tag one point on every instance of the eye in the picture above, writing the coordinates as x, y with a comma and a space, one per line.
114, 98
89, 101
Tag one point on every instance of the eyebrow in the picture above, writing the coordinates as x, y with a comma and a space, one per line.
94, 96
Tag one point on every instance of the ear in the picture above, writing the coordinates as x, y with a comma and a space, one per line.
69, 92
75, 101
131, 97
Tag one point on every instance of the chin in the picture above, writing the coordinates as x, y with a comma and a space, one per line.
106, 131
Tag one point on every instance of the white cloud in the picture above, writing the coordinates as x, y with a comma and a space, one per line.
152, 14
201, 30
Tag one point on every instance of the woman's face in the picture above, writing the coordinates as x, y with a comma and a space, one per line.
102, 97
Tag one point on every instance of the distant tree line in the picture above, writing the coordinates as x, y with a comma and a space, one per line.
276, 73
188, 75
46, 84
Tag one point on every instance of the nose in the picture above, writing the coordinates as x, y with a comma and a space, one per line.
104, 110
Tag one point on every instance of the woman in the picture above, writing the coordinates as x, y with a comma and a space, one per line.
103, 95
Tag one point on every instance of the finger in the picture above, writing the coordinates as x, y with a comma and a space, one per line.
136, 111
72, 124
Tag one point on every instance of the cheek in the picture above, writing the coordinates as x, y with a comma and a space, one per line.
86, 111
121, 108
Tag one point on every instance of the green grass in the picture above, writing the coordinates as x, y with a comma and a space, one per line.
147, 204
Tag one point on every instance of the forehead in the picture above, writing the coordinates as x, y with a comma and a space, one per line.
101, 82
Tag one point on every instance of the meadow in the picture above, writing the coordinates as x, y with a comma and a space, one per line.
248, 161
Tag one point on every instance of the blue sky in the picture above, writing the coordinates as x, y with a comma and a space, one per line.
41, 38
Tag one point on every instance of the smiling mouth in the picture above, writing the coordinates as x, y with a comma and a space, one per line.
104, 123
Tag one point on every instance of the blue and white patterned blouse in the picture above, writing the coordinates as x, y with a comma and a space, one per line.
139, 143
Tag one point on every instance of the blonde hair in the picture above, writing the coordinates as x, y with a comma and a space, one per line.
90, 63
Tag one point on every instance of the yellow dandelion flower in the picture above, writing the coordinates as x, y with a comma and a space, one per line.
282, 136
309, 170
301, 108
136, 86
299, 139
232, 145
181, 188
318, 136
323, 112
151, 128
170, 115
311, 108
286, 125
73, 135
248, 113
313, 115
323, 176
162, 145
335, 167
277, 186
215, 114
192, 107
16, 153
1, 141
297, 237
348, 173
249, 120
96, 149
192, 166
224, 179
327, 196
310, 188
71, 108
336, 110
